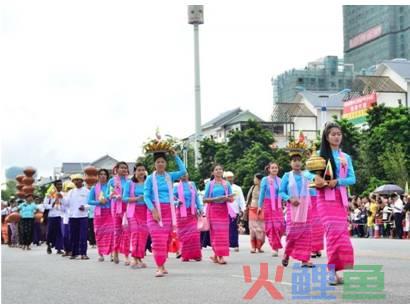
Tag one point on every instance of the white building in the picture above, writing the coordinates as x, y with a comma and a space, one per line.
389, 85
219, 128
308, 112
398, 70
107, 162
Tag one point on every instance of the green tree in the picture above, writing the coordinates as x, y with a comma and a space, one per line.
9, 191
386, 128
394, 164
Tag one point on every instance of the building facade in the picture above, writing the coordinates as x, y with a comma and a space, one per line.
308, 112
373, 33
326, 74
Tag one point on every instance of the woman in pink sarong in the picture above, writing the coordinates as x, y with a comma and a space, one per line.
218, 194
114, 193
270, 202
332, 202
159, 198
317, 226
133, 195
294, 189
103, 223
189, 207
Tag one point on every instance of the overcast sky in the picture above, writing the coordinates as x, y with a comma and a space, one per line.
81, 79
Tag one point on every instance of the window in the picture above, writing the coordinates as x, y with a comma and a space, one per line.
300, 80
278, 130
321, 83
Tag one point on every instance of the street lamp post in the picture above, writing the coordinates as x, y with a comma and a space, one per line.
196, 17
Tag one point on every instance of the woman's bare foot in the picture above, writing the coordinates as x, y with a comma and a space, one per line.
221, 260
214, 259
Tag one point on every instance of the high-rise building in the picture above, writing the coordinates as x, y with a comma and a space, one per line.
373, 33
325, 74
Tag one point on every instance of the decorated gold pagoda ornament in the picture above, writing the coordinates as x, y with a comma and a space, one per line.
159, 144
298, 147
315, 164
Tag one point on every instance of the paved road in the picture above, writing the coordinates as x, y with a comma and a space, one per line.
35, 277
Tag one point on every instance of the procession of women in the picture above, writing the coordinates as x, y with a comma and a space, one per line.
153, 209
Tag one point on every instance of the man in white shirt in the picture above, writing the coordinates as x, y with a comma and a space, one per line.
77, 203
398, 215
53, 204
238, 206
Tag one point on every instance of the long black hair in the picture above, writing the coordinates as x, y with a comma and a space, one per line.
139, 164
325, 149
107, 173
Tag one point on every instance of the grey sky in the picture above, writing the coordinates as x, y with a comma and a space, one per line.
80, 79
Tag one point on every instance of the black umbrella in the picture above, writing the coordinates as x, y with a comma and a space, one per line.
388, 189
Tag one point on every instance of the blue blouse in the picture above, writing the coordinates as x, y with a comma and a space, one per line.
187, 195
350, 177
27, 209
285, 191
217, 191
138, 191
111, 184
163, 192
265, 190
92, 200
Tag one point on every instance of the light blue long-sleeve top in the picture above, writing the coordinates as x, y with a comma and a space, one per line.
110, 186
350, 177
217, 191
163, 192
138, 191
187, 194
265, 190
285, 191
93, 200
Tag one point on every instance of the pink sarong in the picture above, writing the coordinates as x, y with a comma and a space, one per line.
138, 230
298, 236
160, 235
274, 224
317, 227
188, 235
104, 231
333, 215
118, 232
219, 228
125, 243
